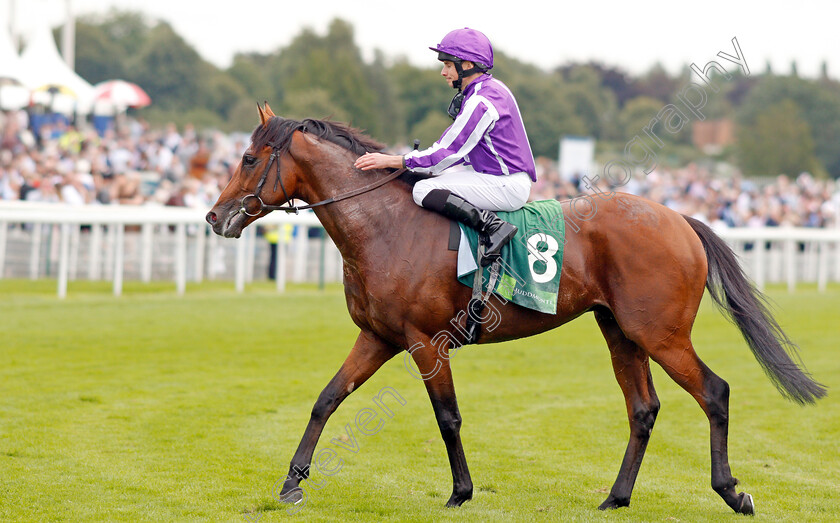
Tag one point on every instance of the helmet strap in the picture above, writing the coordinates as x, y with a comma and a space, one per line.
458, 99
459, 68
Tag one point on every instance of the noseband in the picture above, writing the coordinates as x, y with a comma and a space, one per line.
254, 200
252, 204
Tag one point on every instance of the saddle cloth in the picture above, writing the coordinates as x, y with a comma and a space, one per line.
530, 262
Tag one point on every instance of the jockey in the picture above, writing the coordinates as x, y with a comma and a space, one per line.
483, 161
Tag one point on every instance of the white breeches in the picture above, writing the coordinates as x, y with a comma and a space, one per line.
485, 191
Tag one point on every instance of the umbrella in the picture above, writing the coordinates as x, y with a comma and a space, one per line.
54, 89
121, 93
50, 91
59, 98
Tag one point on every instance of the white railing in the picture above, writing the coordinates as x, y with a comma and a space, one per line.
787, 254
171, 232
181, 238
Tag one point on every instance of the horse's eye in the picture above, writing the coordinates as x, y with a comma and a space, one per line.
249, 160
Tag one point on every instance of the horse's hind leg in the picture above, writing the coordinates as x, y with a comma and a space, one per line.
632, 371
676, 355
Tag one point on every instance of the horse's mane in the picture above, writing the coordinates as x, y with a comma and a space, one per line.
278, 132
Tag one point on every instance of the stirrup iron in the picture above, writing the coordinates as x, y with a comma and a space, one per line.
479, 298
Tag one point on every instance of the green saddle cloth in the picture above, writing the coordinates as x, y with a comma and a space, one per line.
531, 261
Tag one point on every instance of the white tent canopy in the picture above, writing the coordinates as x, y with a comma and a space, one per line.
43, 66
11, 65
12, 96
40, 75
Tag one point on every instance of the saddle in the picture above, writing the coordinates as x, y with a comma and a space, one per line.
526, 272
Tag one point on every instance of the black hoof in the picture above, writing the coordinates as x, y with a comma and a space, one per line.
745, 506
292, 496
613, 503
458, 499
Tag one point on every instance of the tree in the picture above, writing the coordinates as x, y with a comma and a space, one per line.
613, 79
593, 104
221, 91
249, 72
332, 63
243, 116
738, 88
547, 114
819, 107
420, 93
170, 70
127, 29
636, 115
326, 75
313, 103
430, 128
106, 44
656, 83
778, 142
97, 58
388, 110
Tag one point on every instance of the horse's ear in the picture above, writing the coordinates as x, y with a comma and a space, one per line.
268, 112
263, 117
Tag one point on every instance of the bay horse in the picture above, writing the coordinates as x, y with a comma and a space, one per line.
640, 267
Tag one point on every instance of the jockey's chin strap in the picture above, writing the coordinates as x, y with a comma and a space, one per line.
252, 204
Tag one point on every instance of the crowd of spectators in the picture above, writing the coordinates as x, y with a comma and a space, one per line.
140, 165
133, 165
719, 200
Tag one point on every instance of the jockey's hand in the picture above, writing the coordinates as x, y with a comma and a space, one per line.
378, 161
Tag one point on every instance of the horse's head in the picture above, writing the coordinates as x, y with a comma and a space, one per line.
266, 174
282, 164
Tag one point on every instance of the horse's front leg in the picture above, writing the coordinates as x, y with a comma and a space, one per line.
368, 354
433, 368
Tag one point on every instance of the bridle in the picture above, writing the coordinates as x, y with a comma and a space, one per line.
258, 206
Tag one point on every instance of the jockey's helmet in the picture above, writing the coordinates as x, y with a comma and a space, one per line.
466, 44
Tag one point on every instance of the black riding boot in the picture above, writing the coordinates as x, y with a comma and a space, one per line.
494, 231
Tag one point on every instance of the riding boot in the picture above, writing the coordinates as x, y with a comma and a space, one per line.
494, 231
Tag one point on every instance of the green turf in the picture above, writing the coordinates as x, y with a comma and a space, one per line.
155, 407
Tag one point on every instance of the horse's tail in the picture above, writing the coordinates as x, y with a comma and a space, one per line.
747, 308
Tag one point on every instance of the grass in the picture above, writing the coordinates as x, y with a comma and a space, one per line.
158, 407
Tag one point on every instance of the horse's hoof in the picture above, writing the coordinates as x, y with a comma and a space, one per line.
293, 496
746, 506
456, 500
613, 503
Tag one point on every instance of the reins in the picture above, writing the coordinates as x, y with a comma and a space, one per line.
258, 206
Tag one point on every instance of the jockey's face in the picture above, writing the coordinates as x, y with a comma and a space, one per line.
449, 72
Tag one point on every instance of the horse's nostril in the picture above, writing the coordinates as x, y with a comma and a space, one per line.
211, 217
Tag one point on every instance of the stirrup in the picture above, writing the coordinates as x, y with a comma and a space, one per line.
487, 259
479, 299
